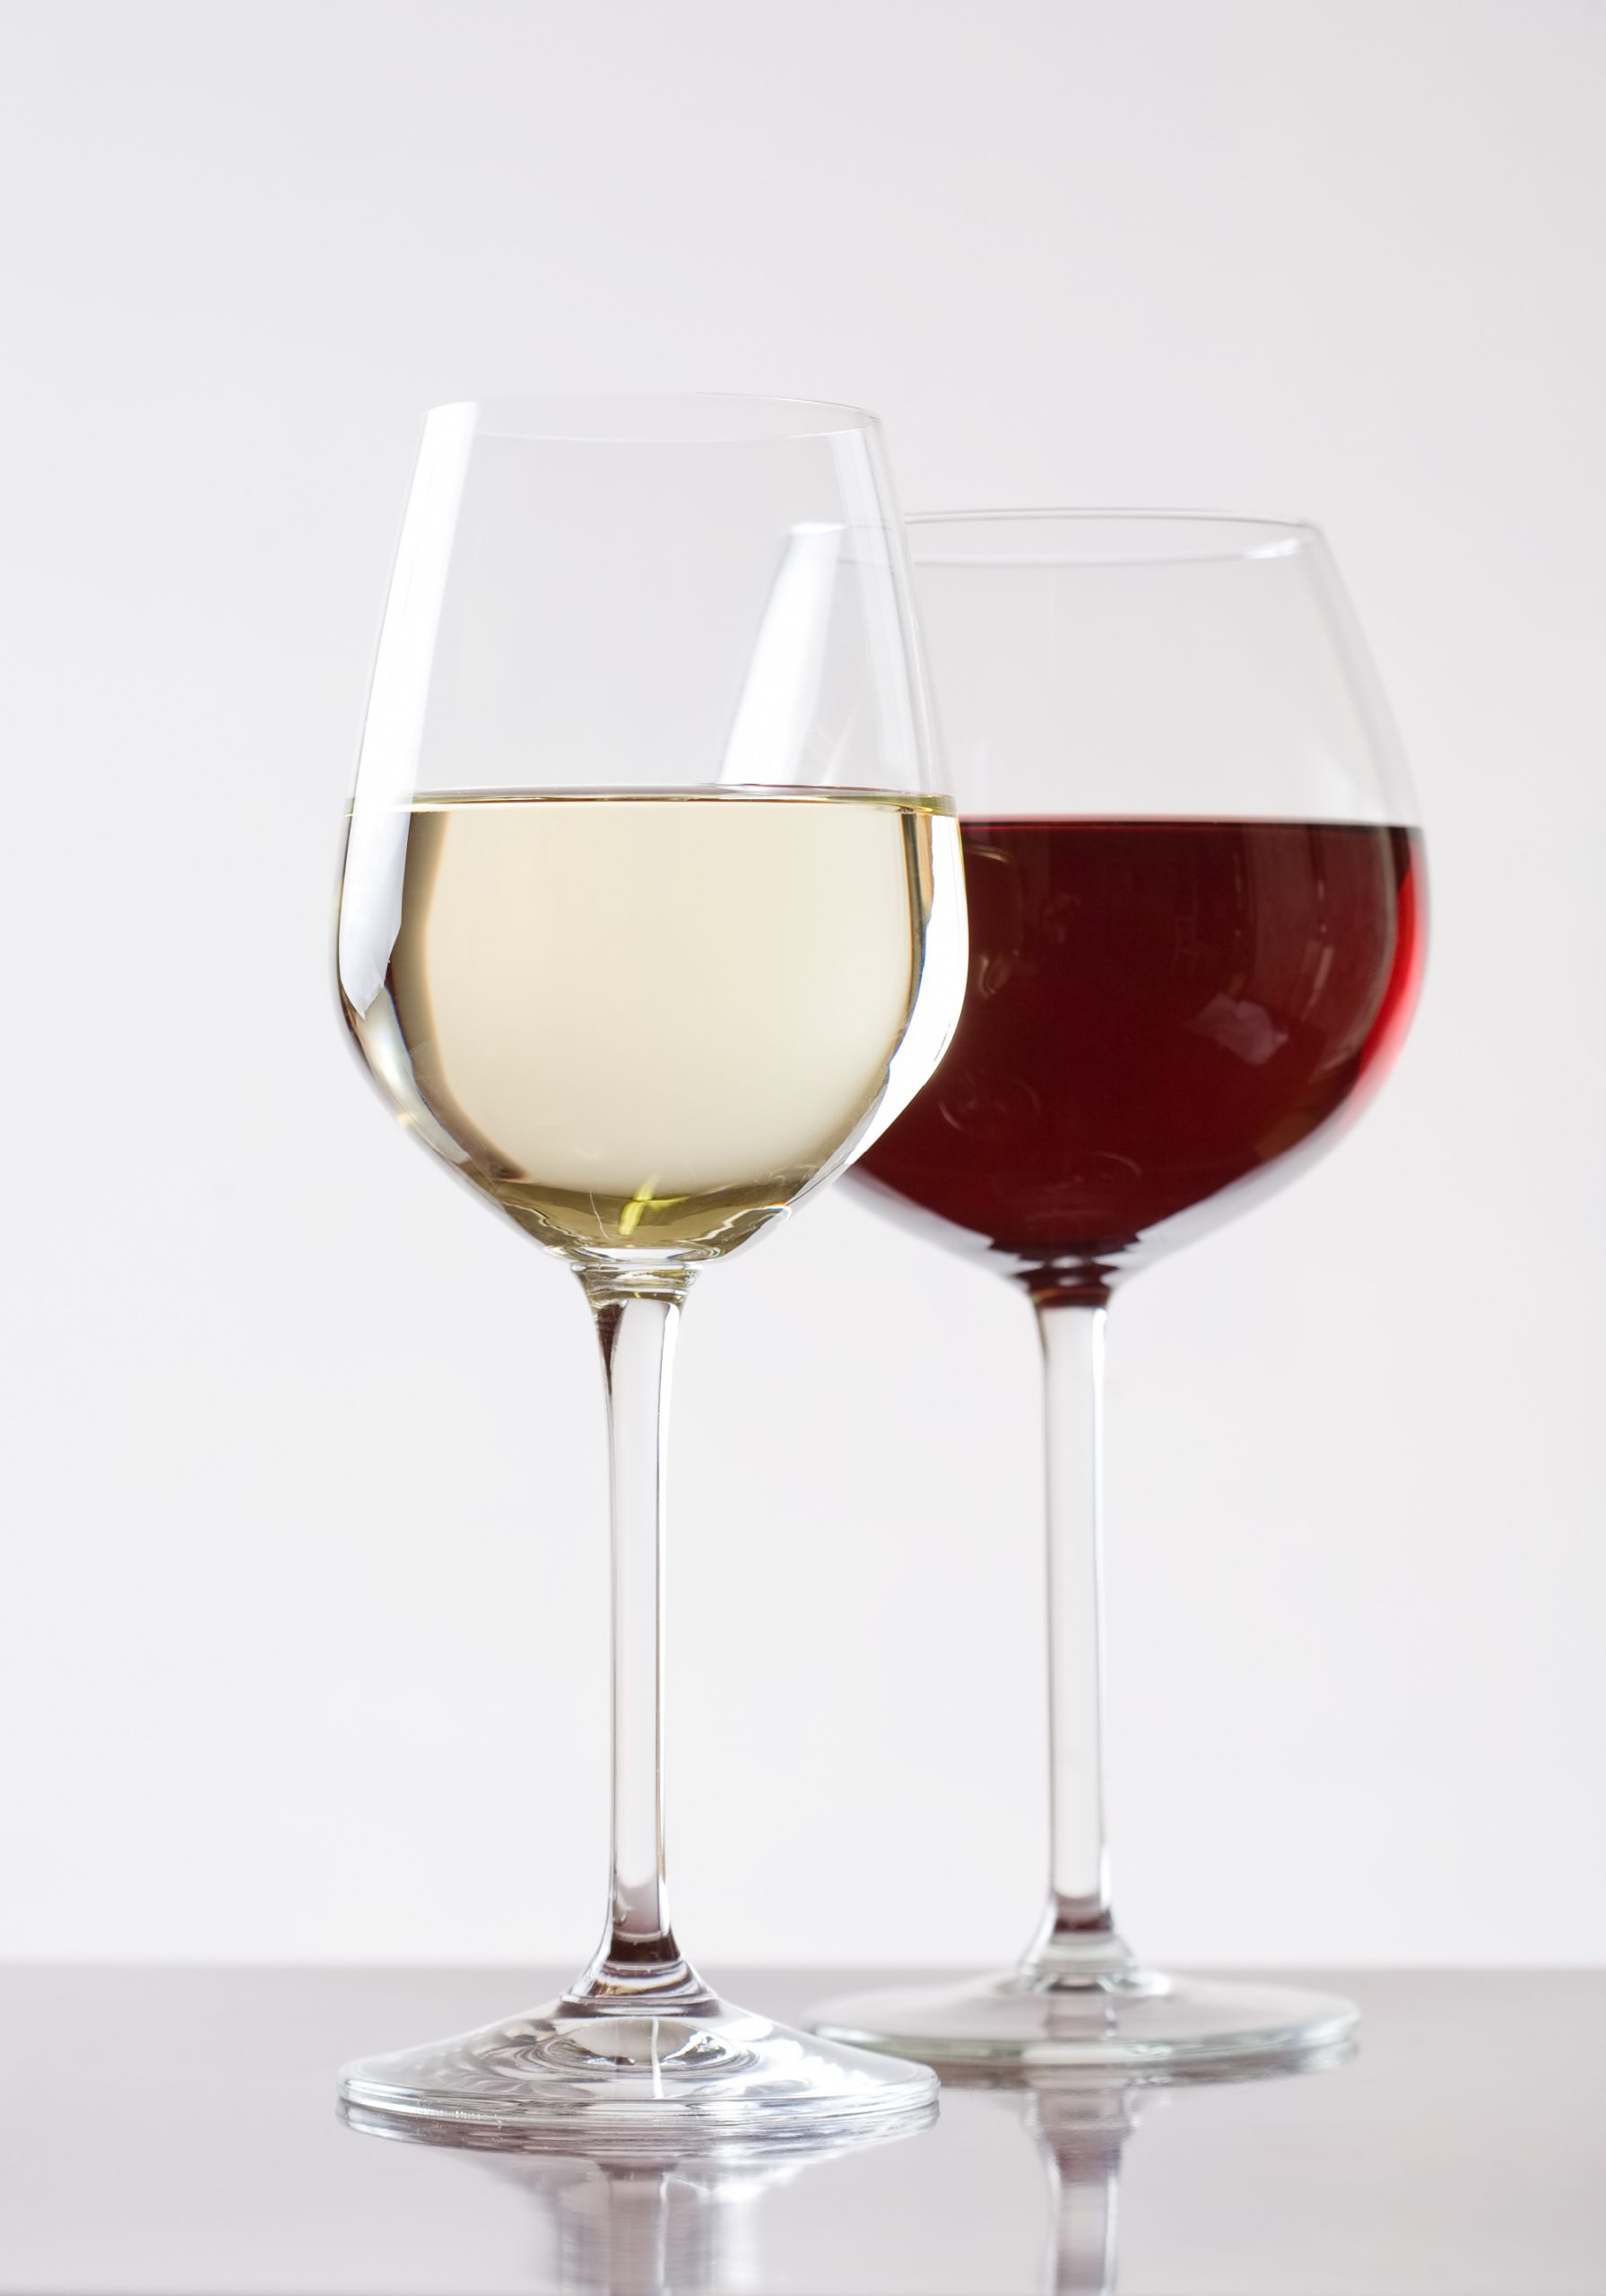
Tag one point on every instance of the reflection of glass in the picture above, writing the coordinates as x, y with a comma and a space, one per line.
1082, 2135
1195, 899
721, 2217
651, 916
1082, 2125
658, 2224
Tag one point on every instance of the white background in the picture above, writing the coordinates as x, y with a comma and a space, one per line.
302, 1646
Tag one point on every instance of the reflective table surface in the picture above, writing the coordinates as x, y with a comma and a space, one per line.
173, 2133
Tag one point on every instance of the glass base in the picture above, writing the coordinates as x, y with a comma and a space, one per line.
1134, 2021
625, 2078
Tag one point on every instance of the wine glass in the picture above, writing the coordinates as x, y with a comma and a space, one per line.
651, 916
1196, 916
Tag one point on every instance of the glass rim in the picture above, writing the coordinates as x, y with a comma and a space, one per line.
1131, 537
657, 418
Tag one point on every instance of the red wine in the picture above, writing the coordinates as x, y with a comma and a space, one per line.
1158, 1016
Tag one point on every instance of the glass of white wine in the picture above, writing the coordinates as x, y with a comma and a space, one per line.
651, 918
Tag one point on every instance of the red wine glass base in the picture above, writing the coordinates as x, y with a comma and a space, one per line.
1138, 2023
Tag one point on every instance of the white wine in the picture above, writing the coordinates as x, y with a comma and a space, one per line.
644, 1022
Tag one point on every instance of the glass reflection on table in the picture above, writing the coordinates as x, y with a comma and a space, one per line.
1081, 2123
670, 2221
677, 2220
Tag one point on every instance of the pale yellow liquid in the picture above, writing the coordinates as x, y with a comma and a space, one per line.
644, 1022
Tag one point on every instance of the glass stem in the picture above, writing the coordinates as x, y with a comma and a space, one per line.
637, 1960
1077, 1942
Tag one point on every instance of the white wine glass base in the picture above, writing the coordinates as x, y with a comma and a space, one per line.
633, 2077
1132, 2021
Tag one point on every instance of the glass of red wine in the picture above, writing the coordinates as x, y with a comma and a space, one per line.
1196, 920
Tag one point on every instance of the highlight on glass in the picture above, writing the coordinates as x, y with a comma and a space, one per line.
1195, 887
651, 918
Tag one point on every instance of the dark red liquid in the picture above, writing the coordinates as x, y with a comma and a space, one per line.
1158, 1013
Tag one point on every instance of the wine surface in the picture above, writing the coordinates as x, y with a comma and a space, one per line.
643, 1021
1157, 1014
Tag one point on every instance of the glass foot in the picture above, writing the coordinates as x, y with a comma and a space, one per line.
625, 2077
1136, 2019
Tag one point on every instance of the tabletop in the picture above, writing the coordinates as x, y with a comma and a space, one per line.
173, 2133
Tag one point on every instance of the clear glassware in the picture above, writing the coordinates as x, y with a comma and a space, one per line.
1196, 894
652, 915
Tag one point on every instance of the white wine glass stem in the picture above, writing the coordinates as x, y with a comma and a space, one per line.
1077, 1938
637, 1957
